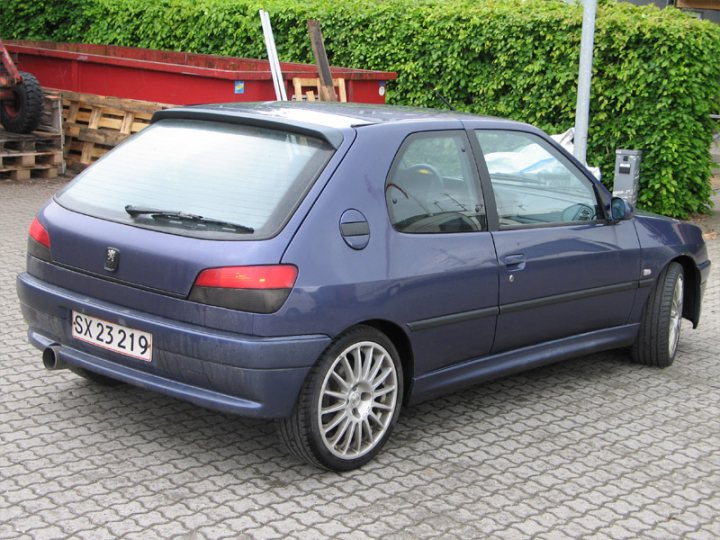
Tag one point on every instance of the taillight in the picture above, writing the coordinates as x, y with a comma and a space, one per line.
39, 233
258, 289
38, 241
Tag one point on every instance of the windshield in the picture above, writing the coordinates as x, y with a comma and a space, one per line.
249, 177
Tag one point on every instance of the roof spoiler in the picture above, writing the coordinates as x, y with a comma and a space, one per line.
332, 136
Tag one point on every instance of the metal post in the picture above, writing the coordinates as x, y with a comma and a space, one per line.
278, 81
582, 109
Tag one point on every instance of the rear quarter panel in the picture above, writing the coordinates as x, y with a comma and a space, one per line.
397, 278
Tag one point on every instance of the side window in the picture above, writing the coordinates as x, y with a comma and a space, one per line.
533, 183
432, 186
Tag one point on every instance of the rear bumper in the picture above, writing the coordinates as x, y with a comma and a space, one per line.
239, 374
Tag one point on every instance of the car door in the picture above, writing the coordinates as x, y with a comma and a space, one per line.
563, 268
440, 242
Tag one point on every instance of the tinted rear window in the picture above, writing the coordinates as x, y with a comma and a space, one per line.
249, 176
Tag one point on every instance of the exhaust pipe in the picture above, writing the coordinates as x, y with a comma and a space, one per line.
51, 358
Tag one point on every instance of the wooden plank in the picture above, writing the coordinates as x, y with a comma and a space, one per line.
327, 92
110, 122
127, 123
72, 113
20, 175
138, 124
87, 152
95, 117
94, 100
340, 83
107, 138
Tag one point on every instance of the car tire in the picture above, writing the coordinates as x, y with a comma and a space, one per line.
95, 377
657, 341
349, 403
23, 115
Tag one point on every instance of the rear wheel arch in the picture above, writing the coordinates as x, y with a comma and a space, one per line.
400, 340
403, 345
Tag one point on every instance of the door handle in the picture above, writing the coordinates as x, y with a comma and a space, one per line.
514, 262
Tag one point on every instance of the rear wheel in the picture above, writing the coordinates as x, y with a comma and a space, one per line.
659, 335
349, 403
23, 113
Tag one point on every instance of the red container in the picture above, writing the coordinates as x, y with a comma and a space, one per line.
175, 77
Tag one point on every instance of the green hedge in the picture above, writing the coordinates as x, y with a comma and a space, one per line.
656, 72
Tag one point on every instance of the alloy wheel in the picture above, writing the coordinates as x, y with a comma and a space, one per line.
357, 400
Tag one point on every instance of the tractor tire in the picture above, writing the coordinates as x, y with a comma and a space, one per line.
23, 114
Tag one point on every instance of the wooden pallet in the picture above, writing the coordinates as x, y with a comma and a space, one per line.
23, 175
95, 124
37, 141
307, 89
30, 160
39, 154
34, 155
23, 157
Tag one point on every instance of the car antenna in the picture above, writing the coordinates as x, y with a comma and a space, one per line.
440, 97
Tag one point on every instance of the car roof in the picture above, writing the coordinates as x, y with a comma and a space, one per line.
323, 118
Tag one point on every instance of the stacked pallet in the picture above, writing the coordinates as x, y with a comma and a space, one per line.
38, 154
95, 124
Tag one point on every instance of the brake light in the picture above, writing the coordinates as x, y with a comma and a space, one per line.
38, 244
257, 289
280, 276
39, 233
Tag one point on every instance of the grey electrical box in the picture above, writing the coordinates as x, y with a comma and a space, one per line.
627, 174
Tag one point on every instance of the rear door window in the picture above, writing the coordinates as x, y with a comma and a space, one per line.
248, 178
432, 186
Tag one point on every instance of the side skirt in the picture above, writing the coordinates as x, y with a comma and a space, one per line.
491, 367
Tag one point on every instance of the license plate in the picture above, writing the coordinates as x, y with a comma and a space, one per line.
111, 336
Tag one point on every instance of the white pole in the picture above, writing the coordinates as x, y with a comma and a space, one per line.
582, 109
278, 81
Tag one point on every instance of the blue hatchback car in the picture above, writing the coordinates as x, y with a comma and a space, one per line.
323, 264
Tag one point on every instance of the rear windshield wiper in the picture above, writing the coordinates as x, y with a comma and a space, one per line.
135, 211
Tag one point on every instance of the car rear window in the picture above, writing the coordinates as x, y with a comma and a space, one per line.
248, 176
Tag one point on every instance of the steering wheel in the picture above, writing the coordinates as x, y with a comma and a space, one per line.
429, 173
408, 186
578, 212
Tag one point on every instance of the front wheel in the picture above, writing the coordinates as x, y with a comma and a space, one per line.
659, 335
349, 403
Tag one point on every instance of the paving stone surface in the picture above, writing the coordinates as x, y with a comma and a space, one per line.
590, 448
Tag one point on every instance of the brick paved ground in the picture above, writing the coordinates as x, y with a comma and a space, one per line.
591, 448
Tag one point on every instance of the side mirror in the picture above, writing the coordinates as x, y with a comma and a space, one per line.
621, 209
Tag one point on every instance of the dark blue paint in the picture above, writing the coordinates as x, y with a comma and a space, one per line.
448, 293
559, 260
